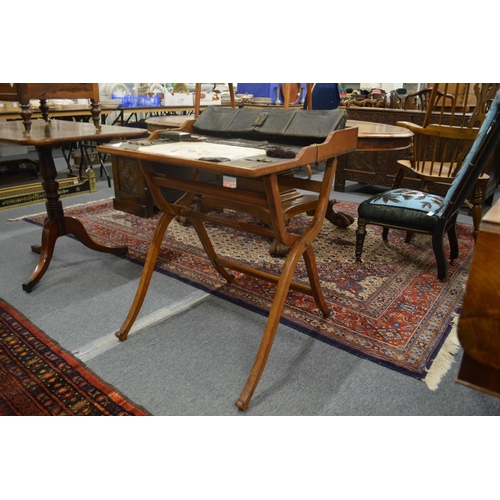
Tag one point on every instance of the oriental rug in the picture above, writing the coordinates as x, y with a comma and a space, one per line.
390, 309
40, 378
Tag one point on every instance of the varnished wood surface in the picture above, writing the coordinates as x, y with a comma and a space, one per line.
479, 323
166, 121
241, 168
160, 171
379, 130
59, 131
23, 92
46, 136
373, 138
380, 136
491, 220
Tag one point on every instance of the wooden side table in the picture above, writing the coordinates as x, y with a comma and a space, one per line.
46, 137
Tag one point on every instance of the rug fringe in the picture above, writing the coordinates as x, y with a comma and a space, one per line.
445, 357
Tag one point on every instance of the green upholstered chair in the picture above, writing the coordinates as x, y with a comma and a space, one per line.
422, 212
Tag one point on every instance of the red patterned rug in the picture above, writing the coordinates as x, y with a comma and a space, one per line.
39, 378
391, 309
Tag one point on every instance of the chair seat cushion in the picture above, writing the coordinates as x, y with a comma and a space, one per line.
406, 208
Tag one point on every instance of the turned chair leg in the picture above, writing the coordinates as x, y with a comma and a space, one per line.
477, 208
409, 236
439, 254
360, 238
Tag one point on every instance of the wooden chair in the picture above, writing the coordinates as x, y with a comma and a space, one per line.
422, 212
453, 117
421, 100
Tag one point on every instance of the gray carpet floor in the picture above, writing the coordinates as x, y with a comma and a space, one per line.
190, 353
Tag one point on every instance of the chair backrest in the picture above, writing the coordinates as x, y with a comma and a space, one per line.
459, 104
474, 163
421, 99
453, 117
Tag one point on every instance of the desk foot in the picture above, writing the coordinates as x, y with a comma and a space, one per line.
277, 249
339, 219
266, 343
242, 405
28, 286
122, 335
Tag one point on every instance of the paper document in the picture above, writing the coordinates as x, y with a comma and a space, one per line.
194, 151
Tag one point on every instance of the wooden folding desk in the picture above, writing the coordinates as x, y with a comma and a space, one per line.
161, 169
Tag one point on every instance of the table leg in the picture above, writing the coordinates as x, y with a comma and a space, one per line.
301, 247
46, 250
209, 249
147, 272
57, 224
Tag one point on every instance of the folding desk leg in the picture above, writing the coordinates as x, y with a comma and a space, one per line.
312, 273
207, 245
147, 272
299, 248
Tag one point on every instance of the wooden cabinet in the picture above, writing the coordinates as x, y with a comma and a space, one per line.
479, 323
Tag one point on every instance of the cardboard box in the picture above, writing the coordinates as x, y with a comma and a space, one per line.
10, 106
209, 99
177, 99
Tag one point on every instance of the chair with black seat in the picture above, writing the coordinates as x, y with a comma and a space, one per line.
422, 212
454, 114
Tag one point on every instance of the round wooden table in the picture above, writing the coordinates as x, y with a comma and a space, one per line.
379, 147
380, 137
